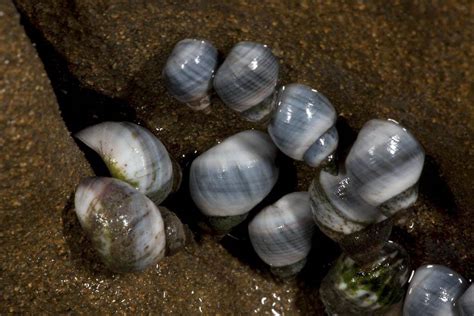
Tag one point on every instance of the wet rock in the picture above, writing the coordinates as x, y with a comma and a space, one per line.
408, 61
39, 162
405, 61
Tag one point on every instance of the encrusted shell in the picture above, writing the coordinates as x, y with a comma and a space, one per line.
380, 178
234, 176
125, 227
281, 233
247, 79
373, 288
189, 72
433, 291
134, 155
302, 126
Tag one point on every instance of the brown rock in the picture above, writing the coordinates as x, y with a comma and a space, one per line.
407, 61
39, 162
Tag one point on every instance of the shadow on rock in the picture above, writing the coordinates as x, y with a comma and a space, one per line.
80, 107
435, 188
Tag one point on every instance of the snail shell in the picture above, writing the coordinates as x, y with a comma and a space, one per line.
134, 155
433, 291
125, 227
374, 288
302, 126
466, 303
247, 79
232, 177
281, 233
189, 72
382, 170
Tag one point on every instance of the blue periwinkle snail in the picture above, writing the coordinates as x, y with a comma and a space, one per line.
374, 288
231, 178
380, 178
134, 155
281, 233
435, 290
246, 80
302, 125
189, 71
125, 227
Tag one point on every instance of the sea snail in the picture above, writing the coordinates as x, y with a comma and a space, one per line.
189, 71
380, 178
246, 80
303, 124
231, 178
281, 233
125, 227
134, 155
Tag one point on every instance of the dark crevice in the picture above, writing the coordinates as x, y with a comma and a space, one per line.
79, 106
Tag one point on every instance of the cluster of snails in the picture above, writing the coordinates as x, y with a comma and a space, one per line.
353, 204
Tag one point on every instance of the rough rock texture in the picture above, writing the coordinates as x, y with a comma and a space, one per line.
39, 162
410, 61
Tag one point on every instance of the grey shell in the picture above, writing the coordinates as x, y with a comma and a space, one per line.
125, 227
234, 176
465, 304
247, 77
132, 154
281, 233
380, 178
189, 72
302, 126
433, 291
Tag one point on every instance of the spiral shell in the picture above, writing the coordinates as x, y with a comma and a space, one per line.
189, 71
247, 79
234, 176
382, 170
373, 288
134, 155
125, 227
433, 291
302, 126
281, 233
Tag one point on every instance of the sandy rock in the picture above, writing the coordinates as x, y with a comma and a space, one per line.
39, 162
407, 61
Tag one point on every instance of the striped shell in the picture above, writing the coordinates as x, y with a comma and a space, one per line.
134, 155
281, 233
433, 290
382, 171
125, 227
234, 176
302, 126
246, 80
189, 71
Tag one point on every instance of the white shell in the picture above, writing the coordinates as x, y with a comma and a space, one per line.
235, 175
125, 227
132, 154
382, 170
301, 119
433, 291
281, 233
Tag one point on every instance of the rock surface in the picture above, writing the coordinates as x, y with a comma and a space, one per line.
39, 162
407, 61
